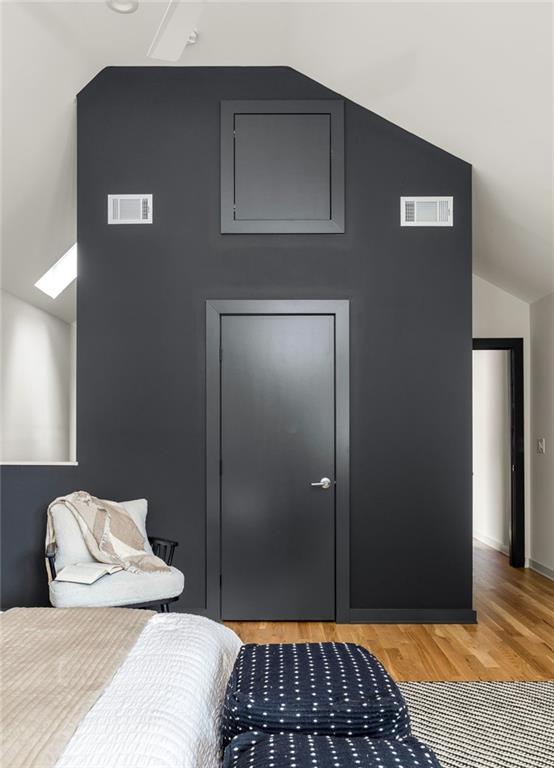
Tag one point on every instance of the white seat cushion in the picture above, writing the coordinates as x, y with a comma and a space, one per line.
121, 588
71, 547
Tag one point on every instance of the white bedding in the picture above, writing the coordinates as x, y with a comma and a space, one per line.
162, 708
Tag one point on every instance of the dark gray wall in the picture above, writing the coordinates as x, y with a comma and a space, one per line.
141, 294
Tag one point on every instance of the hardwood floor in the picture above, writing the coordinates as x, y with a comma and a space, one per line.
514, 639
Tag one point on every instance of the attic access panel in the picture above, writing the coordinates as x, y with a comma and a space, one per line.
282, 166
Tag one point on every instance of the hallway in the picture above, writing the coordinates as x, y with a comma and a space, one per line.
514, 639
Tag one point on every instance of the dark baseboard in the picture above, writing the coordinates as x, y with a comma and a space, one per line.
412, 616
390, 616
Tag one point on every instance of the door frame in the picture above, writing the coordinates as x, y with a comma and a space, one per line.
215, 310
517, 442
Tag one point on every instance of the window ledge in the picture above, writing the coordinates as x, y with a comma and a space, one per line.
39, 463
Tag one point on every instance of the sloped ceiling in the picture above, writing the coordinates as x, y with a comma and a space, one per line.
475, 79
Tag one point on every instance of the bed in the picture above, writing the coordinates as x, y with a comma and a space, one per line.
126, 688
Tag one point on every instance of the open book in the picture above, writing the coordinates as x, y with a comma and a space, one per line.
86, 573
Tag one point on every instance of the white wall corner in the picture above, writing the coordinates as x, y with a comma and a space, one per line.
542, 414
499, 314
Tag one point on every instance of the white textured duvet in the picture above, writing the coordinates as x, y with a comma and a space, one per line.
162, 708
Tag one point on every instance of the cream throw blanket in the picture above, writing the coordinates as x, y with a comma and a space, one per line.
109, 531
56, 663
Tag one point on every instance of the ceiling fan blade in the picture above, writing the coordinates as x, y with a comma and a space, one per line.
178, 24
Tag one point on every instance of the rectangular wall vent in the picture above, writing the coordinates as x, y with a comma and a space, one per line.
129, 209
426, 211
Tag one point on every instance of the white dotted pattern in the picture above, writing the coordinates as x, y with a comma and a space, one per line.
335, 689
292, 750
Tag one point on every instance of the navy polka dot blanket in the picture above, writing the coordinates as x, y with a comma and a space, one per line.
293, 750
335, 689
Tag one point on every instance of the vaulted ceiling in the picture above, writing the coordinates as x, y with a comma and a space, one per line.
473, 78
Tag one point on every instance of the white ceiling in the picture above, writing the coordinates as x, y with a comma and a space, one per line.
473, 78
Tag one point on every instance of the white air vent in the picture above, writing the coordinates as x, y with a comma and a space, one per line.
426, 211
129, 209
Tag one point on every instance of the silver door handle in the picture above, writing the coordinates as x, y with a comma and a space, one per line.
323, 483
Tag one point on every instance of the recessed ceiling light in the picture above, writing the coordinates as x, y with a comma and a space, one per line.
60, 274
123, 6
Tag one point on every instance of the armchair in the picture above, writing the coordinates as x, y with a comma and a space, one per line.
142, 590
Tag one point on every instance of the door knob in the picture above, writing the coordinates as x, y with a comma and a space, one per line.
323, 483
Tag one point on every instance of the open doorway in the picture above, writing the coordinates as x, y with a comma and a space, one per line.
498, 448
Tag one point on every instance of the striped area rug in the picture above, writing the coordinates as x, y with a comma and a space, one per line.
485, 725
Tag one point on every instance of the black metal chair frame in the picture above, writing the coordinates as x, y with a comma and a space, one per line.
162, 548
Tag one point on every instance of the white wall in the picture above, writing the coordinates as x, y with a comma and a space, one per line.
491, 448
36, 374
542, 358
498, 314
73, 394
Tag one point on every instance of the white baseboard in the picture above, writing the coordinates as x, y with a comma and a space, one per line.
542, 569
532, 564
490, 542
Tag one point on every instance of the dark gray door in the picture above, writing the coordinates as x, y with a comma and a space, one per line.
277, 437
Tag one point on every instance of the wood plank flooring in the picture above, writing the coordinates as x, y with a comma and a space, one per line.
514, 639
